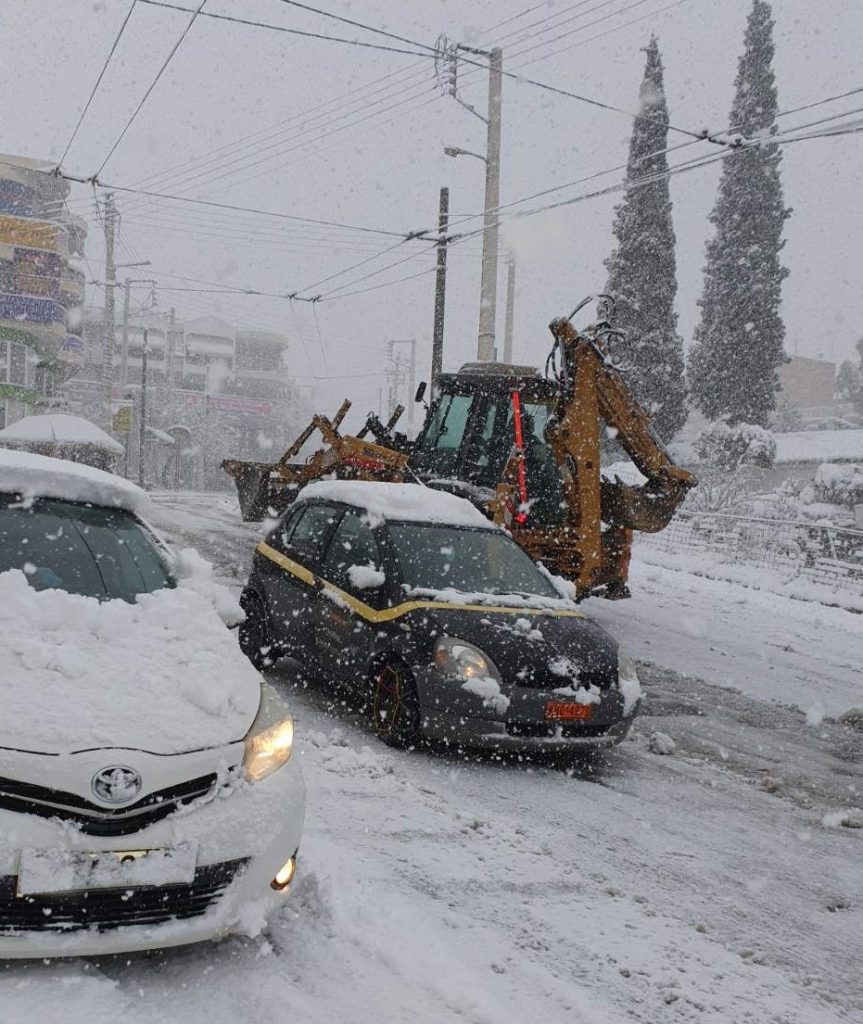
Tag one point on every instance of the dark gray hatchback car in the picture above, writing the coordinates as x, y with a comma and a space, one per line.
447, 627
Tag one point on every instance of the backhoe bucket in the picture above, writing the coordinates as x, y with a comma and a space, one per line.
253, 486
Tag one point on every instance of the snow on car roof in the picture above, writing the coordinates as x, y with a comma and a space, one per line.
411, 502
59, 428
40, 476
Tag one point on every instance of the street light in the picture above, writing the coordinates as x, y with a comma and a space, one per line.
458, 151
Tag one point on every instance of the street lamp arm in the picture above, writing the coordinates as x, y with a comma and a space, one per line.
458, 151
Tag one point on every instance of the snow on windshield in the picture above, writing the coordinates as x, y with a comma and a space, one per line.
439, 558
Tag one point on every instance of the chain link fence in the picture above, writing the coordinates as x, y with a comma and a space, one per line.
825, 554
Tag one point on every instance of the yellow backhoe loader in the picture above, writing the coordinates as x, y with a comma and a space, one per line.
525, 448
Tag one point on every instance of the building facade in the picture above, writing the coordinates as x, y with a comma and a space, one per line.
221, 391
41, 288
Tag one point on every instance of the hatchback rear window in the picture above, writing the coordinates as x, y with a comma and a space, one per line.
83, 549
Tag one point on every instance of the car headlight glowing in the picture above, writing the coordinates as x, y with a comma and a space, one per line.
459, 658
270, 741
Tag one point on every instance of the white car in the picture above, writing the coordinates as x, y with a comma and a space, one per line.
148, 796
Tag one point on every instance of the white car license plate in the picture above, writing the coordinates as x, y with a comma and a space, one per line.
50, 871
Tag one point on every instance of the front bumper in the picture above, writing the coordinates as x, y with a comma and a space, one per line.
452, 715
242, 836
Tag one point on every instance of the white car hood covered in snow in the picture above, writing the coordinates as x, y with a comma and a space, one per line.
162, 675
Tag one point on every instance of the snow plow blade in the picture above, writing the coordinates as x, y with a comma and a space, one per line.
252, 480
263, 486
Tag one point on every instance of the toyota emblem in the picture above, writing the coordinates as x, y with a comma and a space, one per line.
116, 784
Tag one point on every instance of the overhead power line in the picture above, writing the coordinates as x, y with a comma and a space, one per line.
98, 82
508, 74
240, 163
94, 181
354, 95
359, 24
153, 85
280, 28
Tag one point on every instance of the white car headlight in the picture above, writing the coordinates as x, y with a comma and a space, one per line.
270, 741
459, 658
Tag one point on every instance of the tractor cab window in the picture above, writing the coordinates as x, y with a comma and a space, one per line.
438, 450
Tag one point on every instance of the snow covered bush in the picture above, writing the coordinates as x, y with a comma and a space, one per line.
839, 484
744, 444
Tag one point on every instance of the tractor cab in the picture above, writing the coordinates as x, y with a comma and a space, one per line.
477, 418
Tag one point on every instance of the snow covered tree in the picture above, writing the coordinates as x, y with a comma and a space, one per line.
738, 343
643, 270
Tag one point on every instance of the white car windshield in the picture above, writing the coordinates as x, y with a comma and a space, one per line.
83, 549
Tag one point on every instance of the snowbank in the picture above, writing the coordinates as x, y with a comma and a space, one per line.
839, 484
411, 502
163, 675
39, 476
58, 428
796, 447
196, 573
819, 446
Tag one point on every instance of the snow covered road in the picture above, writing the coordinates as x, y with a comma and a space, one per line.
701, 886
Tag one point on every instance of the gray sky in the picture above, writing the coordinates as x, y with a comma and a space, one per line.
315, 129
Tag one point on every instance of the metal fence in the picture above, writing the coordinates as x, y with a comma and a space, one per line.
792, 549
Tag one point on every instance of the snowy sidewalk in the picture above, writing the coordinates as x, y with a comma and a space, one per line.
767, 646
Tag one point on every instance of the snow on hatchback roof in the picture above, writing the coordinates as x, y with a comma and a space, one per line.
39, 476
411, 502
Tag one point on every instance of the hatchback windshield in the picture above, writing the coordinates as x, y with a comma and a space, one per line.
472, 561
94, 551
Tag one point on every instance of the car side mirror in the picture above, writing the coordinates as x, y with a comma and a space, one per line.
421, 391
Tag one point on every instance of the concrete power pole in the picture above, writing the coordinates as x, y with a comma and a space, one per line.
124, 360
109, 220
488, 287
440, 291
142, 443
395, 372
510, 310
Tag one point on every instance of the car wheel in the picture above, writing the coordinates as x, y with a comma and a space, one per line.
394, 705
255, 639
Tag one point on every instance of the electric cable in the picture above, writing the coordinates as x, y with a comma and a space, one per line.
153, 85
98, 82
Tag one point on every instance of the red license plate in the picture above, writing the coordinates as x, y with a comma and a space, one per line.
565, 711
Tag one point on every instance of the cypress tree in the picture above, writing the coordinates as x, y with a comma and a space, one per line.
643, 269
738, 343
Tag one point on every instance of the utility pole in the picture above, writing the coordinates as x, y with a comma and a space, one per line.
143, 424
510, 310
172, 352
397, 367
124, 359
440, 290
488, 286
109, 220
